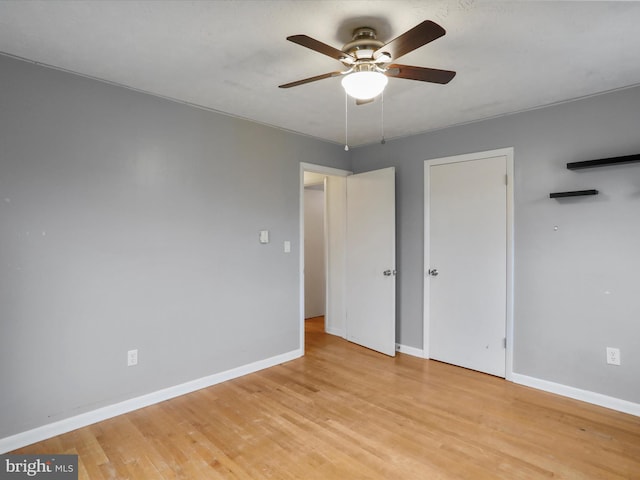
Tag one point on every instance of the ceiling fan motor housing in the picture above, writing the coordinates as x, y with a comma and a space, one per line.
363, 44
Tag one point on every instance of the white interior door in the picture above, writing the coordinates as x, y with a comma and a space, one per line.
466, 262
371, 260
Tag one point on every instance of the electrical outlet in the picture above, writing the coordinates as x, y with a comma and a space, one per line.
132, 358
613, 356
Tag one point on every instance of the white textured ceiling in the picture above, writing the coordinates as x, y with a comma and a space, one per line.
230, 56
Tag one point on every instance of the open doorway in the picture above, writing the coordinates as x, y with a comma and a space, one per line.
360, 272
314, 248
323, 239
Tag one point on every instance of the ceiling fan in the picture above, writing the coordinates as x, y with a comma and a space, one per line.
369, 60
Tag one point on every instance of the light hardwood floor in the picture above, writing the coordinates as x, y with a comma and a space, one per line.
345, 412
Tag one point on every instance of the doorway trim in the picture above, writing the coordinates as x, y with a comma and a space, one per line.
508, 153
310, 167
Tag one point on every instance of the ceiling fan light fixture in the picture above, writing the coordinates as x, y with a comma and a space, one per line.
364, 85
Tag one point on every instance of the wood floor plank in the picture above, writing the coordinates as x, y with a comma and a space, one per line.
346, 412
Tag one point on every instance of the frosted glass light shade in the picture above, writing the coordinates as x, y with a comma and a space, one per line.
364, 85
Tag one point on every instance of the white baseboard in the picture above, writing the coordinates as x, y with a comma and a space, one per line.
416, 352
38, 434
338, 332
578, 394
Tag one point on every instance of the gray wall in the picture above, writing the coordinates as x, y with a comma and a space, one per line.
576, 289
128, 221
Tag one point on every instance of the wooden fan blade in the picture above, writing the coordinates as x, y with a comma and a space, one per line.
421, 74
320, 47
310, 79
418, 36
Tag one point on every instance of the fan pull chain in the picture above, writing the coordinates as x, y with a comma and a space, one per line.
383, 141
346, 122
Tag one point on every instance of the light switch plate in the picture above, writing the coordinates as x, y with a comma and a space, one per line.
132, 358
264, 236
287, 246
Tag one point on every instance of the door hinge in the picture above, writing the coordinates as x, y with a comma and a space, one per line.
504, 342
506, 179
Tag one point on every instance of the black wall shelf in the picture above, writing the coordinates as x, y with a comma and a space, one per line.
604, 162
575, 193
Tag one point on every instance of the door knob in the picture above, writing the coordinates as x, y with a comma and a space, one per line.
433, 272
388, 273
